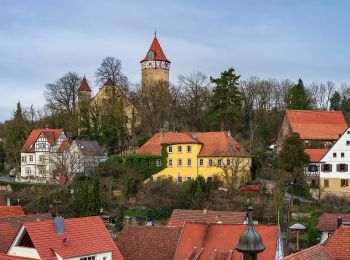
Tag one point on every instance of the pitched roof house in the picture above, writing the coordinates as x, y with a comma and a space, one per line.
9, 227
151, 243
317, 252
180, 216
329, 222
312, 125
76, 238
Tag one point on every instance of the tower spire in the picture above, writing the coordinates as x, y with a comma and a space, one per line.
155, 33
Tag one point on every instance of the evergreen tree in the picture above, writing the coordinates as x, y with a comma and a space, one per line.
16, 136
293, 158
226, 99
297, 97
336, 102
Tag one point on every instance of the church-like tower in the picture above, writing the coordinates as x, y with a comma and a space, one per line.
155, 66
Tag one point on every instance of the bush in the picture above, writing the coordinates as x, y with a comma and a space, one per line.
113, 166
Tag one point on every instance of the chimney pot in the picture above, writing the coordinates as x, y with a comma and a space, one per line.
8, 203
339, 221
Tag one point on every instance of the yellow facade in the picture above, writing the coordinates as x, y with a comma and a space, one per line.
184, 163
335, 186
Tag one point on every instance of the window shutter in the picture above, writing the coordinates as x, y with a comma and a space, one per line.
346, 167
322, 167
330, 167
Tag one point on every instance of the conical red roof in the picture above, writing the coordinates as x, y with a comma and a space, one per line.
84, 86
159, 54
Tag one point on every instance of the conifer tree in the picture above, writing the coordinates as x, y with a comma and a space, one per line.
336, 102
227, 98
297, 97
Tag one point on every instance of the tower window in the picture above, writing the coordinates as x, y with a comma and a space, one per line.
150, 55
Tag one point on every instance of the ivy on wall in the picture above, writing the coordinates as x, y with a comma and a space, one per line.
144, 163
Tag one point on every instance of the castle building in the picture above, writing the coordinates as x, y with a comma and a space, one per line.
155, 66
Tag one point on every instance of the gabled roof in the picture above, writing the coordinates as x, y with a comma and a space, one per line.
151, 243
91, 148
316, 154
11, 211
52, 135
9, 227
216, 144
85, 236
84, 85
328, 221
179, 216
212, 241
338, 243
317, 125
10, 257
317, 252
159, 54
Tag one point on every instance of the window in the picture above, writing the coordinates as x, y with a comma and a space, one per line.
170, 149
158, 162
170, 162
88, 258
189, 178
348, 132
313, 168
326, 167
210, 162
228, 162
201, 162
326, 183
24, 158
334, 155
151, 178
179, 149
41, 158
149, 162
42, 146
179, 179
42, 171
189, 148
347, 142
344, 182
342, 155
342, 167
31, 158
28, 170
104, 258
219, 162
179, 162
189, 162
209, 178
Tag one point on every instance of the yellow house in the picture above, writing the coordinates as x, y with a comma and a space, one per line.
188, 155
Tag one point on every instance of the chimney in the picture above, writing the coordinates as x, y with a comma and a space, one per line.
229, 133
339, 221
8, 202
59, 225
205, 211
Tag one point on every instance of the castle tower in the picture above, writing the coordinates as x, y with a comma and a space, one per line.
155, 66
84, 92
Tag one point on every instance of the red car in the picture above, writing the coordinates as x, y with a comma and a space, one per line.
250, 188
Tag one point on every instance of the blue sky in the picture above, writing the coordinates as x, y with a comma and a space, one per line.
42, 40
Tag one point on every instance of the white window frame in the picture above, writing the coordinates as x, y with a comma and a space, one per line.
189, 162
31, 158
28, 170
219, 162
179, 162
170, 149
210, 162
189, 149
228, 162
201, 162
179, 148
158, 162
170, 162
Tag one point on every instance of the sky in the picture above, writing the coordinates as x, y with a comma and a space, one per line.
42, 40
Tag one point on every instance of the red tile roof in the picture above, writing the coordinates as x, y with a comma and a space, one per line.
151, 243
84, 85
159, 54
11, 211
179, 216
52, 135
317, 252
63, 146
317, 125
214, 144
9, 227
85, 236
328, 221
316, 154
10, 257
338, 243
219, 239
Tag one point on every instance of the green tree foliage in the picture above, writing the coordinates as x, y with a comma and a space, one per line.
16, 136
293, 158
297, 97
335, 102
144, 164
86, 199
2, 156
225, 103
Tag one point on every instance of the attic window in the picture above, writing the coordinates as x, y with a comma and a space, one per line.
25, 241
88, 258
150, 55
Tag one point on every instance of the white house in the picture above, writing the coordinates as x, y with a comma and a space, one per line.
41, 153
334, 173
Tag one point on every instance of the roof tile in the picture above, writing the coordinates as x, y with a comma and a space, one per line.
11, 211
317, 252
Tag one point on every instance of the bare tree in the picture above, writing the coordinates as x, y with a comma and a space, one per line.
111, 69
195, 89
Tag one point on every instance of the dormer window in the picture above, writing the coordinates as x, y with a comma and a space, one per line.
150, 55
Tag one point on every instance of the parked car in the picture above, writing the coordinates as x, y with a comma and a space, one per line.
252, 187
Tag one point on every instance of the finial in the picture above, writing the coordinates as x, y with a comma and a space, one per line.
155, 33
